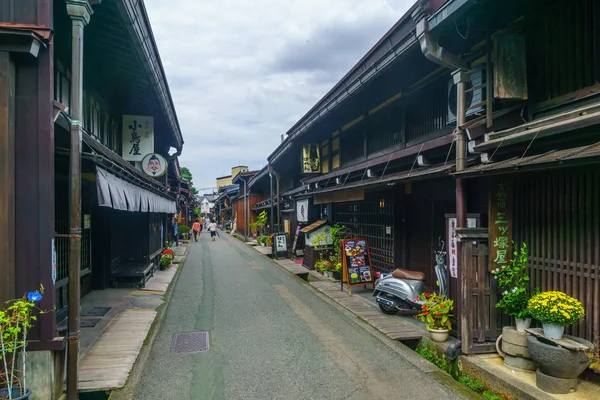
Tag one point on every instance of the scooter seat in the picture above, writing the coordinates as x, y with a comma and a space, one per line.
407, 274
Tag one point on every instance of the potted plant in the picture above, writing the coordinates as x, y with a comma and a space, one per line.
555, 310
513, 280
16, 320
594, 355
337, 272
166, 258
436, 312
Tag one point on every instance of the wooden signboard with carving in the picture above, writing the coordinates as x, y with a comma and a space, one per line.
500, 222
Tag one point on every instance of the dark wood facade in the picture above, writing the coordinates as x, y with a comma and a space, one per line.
35, 90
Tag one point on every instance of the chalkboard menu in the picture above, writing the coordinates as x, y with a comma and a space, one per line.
357, 260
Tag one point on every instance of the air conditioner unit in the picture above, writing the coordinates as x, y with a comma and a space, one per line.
475, 95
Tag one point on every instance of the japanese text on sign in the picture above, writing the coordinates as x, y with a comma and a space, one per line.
500, 224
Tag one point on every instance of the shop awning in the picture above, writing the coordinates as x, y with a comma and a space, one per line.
116, 193
552, 159
553, 125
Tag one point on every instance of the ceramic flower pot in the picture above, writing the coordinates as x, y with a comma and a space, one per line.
553, 331
439, 335
556, 361
326, 274
16, 394
523, 324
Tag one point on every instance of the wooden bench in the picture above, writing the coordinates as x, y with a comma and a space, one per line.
132, 274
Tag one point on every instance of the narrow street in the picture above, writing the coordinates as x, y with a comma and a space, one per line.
271, 337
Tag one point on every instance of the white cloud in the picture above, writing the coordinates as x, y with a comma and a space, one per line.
242, 72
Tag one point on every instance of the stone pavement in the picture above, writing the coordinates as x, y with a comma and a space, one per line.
271, 337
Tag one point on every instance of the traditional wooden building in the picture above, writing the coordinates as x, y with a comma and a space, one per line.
76, 78
455, 100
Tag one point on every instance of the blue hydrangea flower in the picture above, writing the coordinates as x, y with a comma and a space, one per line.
34, 296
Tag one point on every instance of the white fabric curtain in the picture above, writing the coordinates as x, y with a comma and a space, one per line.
116, 193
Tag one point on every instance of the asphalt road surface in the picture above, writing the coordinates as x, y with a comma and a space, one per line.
272, 337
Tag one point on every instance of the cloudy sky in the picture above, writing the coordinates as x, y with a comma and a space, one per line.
242, 72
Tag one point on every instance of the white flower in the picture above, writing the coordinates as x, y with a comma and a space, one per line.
514, 290
495, 277
505, 293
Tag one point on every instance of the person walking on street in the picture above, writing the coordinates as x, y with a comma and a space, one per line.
196, 230
213, 230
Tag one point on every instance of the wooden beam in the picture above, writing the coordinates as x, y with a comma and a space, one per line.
7, 177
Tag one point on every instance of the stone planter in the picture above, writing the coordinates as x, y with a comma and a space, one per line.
439, 335
512, 347
557, 367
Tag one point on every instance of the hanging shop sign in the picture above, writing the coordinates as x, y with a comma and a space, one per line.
500, 223
138, 137
311, 160
302, 210
357, 266
452, 240
154, 165
510, 66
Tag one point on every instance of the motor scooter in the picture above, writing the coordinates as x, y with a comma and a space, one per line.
400, 290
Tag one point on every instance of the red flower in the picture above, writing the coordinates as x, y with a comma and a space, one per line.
427, 295
437, 313
426, 312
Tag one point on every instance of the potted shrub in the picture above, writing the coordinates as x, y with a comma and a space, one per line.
555, 310
16, 320
184, 232
166, 258
514, 282
436, 312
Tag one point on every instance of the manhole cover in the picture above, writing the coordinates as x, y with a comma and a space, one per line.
190, 343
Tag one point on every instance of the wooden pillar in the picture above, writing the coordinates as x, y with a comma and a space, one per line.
7, 177
80, 12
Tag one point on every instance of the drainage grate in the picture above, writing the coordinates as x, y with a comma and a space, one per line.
94, 311
89, 322
190, 343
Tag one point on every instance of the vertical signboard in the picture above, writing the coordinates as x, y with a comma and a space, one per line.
356, 263
500, 223
311, 159
452, 241
53, 262
138, 137
510, 67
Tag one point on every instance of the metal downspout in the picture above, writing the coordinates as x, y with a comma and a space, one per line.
80, 12
437, 54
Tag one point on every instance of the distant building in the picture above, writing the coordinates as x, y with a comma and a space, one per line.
207, 203
226, 180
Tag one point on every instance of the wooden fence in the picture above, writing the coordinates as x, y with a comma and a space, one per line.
558, 216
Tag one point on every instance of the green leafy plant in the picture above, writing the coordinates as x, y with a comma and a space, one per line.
513, 280
475, 385
555, 307
16, 320
429, 352
435, 311
261, 220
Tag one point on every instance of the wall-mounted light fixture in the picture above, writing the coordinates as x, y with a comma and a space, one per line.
408, 188
370, 173
381, 203
338, 180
